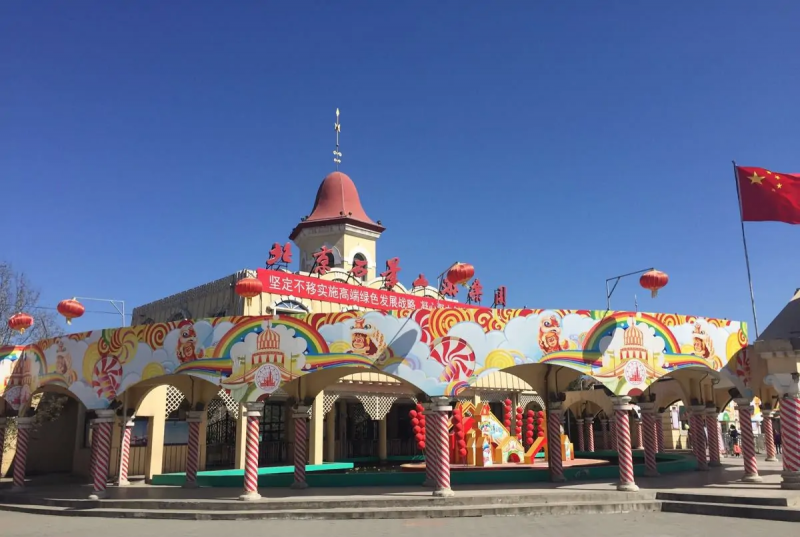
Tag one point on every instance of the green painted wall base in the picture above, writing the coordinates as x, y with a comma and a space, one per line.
282, 476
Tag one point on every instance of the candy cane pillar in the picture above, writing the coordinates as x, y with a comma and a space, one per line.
438, 444
554, 455
251, 454
713, 438
430, 459
3, 423
659, 419
637, 430
748, 441
622, 407
790, 435
300, 417
650, 442
769, 434
697, 428
193, 418
125, 451
101, 448
590, 435
581, 438
23, 435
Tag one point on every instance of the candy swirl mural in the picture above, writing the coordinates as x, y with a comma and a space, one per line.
441, 352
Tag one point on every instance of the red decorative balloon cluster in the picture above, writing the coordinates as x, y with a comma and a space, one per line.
518, 423
418, 426
460, 434
529, 428
540, 425
507, 414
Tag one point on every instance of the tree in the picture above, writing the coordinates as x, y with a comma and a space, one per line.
18, 295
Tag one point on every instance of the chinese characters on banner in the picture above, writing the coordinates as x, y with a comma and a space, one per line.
284, 283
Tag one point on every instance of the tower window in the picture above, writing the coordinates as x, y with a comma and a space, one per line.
363, 263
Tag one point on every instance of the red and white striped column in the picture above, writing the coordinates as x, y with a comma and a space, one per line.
790, 440
252, 439
103, 426
659, 419
622, 408
713, 438
300, 416
430, 459
697, 428
125, 451
637, 430
769, 434
555, 459
612, 427
193, 418
650, 440
21, 456
3, 424
722, 445
748, 441
590, 434
438, 445
581, 437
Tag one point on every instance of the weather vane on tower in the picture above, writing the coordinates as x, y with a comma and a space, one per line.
337, 155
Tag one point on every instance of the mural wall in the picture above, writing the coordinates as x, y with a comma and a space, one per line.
440, 351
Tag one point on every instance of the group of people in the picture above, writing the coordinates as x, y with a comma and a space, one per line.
735, 448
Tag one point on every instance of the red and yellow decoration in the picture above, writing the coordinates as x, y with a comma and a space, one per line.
460, 273
20, 322
70, 309
653, 280
249, 288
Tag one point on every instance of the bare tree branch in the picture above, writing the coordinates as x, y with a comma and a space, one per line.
18, 295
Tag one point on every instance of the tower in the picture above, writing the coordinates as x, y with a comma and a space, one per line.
339, 222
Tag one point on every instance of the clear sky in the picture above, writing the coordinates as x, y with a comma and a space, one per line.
148, 147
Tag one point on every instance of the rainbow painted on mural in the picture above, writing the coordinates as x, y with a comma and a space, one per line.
439, 352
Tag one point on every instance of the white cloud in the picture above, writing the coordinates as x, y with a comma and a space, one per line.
220, 330
719, 336
575, 327
76, 350
88, 396
522, 334
289, 344
423, 380
650, 340
482, 343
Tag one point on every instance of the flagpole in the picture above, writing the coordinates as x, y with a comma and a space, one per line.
746, 255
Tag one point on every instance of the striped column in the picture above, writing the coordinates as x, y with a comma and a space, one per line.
622, 408
438, 416
659, 423
790, 437
193, 418
20, 458
604, 431
590, 435
581, 438
3, 423
697, 428
253, 433
300, 416
125, 451
554, 455
637, 429
650, 441
430, 459
612, 426
748, 442
721, 440
769, 435
101, 447
713, 438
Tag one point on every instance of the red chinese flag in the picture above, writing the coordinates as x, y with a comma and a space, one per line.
769, 196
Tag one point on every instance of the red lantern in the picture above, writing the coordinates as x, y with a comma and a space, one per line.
463, 452
419, 437
653, 280
462, 443
70, 309
20, 322
421, 445
249, 288
420, 408
414, 422
507, 423
417, 430
460, 273
412, 414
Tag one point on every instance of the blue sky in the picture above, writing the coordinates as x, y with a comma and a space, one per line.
552, 146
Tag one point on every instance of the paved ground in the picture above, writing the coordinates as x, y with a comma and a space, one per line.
633, 525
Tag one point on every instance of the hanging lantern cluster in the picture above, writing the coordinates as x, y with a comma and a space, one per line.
249, 288
541, 427
460, 434
507, 414
653, 280
518, 423
20, 322
460, 273
529, 428
70, 309
418, 426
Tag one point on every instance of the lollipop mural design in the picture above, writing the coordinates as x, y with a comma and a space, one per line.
456, 356
106, 376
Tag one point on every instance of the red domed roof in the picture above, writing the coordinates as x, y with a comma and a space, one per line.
337, 200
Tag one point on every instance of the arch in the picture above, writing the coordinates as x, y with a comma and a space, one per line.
289, 306
358, 254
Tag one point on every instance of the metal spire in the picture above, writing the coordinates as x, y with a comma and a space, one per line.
337, 155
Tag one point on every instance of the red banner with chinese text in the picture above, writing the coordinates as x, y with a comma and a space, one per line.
311, 288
